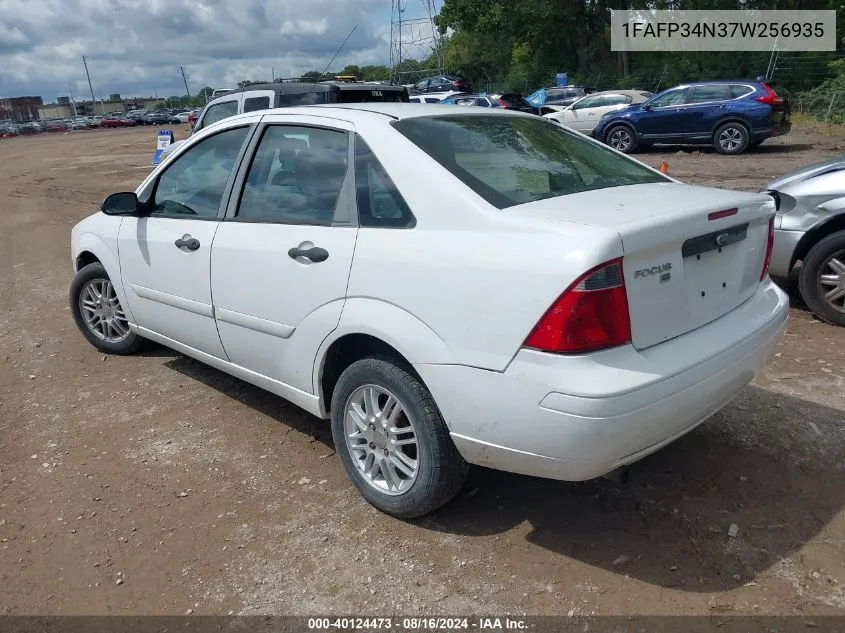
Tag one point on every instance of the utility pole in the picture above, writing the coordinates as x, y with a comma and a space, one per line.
272, 73
90, 87
187, 91
72, 101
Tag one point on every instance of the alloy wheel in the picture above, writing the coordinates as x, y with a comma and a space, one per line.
381, 439
620, 139
831, 280
102, 312
730, 139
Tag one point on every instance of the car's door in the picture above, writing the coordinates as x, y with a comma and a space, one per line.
281, 259
662, 120
577, 116
165, 256
706, 104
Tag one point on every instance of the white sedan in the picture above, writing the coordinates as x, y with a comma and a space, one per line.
583, 114
447, 287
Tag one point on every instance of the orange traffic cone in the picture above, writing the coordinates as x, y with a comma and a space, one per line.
664, 167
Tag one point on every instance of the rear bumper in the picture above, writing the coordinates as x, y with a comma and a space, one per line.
770, 132
579, 417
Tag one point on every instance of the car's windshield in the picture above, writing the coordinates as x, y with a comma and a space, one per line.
513, 160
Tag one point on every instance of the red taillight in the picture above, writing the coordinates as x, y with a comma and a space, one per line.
769, 245
771, 97
503, 104
590, 315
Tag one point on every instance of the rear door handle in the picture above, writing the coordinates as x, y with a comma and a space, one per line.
314, 254
187, 242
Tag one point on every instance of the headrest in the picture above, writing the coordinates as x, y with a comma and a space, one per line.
320, 172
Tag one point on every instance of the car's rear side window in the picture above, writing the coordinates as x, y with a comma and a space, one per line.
740, 90
709, 93
296, 176
251, 104
512, 160
379, 202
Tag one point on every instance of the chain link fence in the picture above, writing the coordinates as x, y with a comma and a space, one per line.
828, 107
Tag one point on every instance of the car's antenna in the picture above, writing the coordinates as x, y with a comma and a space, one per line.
326, 69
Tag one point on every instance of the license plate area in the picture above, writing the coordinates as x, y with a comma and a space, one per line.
714, 241
713, 267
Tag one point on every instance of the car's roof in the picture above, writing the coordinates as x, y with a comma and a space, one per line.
724, 81
364, 112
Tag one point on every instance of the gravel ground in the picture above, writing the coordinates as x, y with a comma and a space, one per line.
154, 484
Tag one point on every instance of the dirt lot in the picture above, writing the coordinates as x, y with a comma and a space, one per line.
153, 484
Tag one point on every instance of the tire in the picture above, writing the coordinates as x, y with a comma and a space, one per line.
731, 138
816, 266
440, 471
621, 138
107, 339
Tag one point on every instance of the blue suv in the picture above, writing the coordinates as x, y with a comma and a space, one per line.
730, 115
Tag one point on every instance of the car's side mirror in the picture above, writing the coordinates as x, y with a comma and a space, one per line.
646, 107
122, 203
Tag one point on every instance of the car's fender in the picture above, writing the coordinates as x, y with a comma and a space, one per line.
400, 329
97, 234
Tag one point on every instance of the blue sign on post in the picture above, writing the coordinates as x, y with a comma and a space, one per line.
561, 80
163, 141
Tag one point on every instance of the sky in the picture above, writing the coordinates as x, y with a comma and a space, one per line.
135, 47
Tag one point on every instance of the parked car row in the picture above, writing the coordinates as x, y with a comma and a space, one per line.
732, 116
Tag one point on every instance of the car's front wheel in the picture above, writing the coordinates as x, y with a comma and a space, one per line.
98, 314
822, 279
621, 138
392, 440
731, 138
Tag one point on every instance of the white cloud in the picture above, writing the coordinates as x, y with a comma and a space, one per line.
135, 47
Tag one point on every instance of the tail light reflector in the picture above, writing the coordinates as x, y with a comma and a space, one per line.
769, 245
590, 315
770, 98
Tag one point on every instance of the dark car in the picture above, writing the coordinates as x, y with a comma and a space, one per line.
730, 115
289, 94
443, 83
557, 96
158, 117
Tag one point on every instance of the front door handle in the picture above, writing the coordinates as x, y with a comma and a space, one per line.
314, 254
187, 242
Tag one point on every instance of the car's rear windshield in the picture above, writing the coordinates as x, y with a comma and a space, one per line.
511, 160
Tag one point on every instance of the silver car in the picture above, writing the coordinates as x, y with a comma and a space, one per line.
810, 235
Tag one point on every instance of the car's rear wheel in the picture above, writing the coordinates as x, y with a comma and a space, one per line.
731, 138
822, 279
392, 440
621, 138
98, 313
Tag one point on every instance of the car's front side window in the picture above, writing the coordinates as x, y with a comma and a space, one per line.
671, 98
218, 112
193, 185
296, 176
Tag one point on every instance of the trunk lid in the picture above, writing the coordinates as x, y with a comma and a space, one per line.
683, 266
